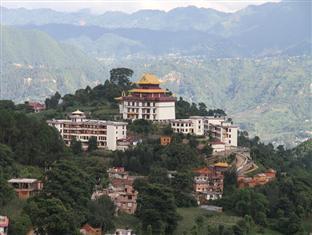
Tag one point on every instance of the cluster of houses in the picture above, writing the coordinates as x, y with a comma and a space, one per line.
150, 102
208, 182
89, 230
259, 179
120, 190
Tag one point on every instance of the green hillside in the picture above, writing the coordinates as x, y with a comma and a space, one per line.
269, 97
35, 66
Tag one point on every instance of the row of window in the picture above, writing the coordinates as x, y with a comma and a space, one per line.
182, 124
144, 104
136, 110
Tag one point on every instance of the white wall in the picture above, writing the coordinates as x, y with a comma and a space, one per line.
165, 110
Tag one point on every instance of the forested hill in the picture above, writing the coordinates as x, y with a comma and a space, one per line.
35, 65
270, 97
30, 148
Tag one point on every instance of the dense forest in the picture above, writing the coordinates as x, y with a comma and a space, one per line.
31, 148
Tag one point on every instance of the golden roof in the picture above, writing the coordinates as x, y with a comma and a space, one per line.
148, 90
77, 112
149, 78
221, 164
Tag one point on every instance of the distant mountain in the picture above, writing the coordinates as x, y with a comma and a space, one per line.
184, 18
270, 29
35, 65
97, 41
255, 63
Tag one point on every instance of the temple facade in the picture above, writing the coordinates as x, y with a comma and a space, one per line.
148, 101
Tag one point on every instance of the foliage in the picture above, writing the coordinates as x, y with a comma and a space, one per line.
50, 216
284, 203
141, 126
101, 213
92, 144
51, 103
184, 110
6, 192
76, 146
66, 182
121, 78
180, 156
156, 207
20, 224
7, 166
32, 141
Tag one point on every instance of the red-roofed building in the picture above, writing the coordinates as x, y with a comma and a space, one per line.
25, 187
36, 106
120, 190
217, 146
208, 184
87, 229
257, 180
4, 225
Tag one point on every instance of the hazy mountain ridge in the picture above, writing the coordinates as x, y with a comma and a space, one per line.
265, 30
35, 66
176, 19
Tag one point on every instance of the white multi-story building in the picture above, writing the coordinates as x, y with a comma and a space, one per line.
219, 128
148, 101
107, 133
193, 126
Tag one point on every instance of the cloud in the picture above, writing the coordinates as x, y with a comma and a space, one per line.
100, 6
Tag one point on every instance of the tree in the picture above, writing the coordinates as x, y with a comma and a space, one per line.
156, 207
76, 146
149, 230
167, 130
7, 167
101, 213
32, 141
121, 77
180, 156
92, 144
65, 181
158, 175
199, 220
19, 224
6, 192
52, 102
202, 109
50, 216
141, 126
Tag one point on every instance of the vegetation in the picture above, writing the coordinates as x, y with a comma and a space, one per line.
29, 147
283, 204
268, 97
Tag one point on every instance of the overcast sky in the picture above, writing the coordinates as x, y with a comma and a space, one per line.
100, 6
